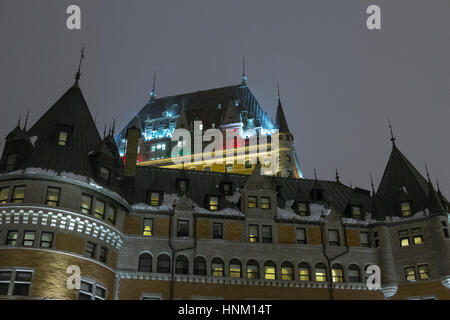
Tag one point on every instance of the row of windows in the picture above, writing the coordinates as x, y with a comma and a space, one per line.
423, 272
405, 236
29, 238
252, 269
15, 282
53, 196
100, 254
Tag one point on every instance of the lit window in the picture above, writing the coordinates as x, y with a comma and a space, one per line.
303, 209
86, 204
417, 235
103, 254
181, 265
424, 272
104, 173
153, 147
53, 197
321, 273
300, 235
213, 203
145, 263
269, 271
253, 233
337, 273
46, 239
155, 198
111, 217
19, 194
404, 238
354, 274
207, 168
200, 266
89, 290
410, 274
252, 270
217, 230
333, 237
11, 239
404, 242
99, 209
266, 162
11, 161
364, 239
15, 282
28, 238
252, 202
356, 213
265, 203
229, 168
148, 228
303, 271
267, 234
4, 192
286, 271
235, 268
183, 228
217, 267
90, 249
62, 138
406, 209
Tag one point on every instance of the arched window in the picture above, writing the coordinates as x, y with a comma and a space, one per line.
182, 265
270, 270
217, 267
163, 264
337, 273
200, 266
287, 271
145, 262
235, 268
321, 272
303, 271
354, 275
252, 269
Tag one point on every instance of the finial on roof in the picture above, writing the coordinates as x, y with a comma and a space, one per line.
26, 120
337, 175
18, 122
78, 74
428, 174
104, 132
371, 183
437, 184
153, 93
351, 184
244, 77
113, 127
278, 90
390, 129
315, 174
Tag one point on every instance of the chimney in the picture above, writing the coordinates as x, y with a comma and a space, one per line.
133, 135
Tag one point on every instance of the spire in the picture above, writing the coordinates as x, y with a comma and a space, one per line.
337, 175
428, 174
281, 119
153, 93
78, 74
244, 77
390, 129
371, 184
435, 204
113, 127
18, 122
26, 120
315, 174
278, 91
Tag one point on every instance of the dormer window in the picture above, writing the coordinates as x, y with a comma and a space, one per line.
62, 138
226, 187
303, 209
155, 198
104, 173
406, 209
213, 203
356, 212
182, 185
11, 161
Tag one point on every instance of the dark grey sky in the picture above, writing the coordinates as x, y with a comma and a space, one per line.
339, 81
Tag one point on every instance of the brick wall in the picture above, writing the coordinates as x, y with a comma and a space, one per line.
203, 229
71, 243
286, 234
314, 235
233, 231
352, 237
133, 225
161, 226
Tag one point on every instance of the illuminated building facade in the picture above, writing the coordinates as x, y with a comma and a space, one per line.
146, 232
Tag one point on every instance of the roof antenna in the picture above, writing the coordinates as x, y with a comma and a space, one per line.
153, 93
337, 175
26, 120
78, 74
244, 77
390, 129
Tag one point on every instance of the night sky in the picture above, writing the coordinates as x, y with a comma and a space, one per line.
339, 81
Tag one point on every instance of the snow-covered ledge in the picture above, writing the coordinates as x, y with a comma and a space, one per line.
62, 219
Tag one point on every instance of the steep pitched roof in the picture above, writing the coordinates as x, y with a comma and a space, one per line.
435, 204
281, 120
402, 182
70, 113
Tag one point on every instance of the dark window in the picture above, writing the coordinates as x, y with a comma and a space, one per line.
235, 268
252, 202
11, 239
300, 234
270, 270
111, 217
217, 230
163, 264
356, 213
252, 269
181, 265
182, 185
200, 266
86, 204
18, 194
253, 234
226, 189
303, 271
424, 272
353, 274
5, 280
248, 164
148, 227
446, 235
287, 271
145, 262
99, 209
265, 203
28, 238
22, 282
103, 254
333, 237
217, 267
4, 192
46, 239
90, 249
11, 161
183, 228
267, 234
104, 173
90, 290
53, 196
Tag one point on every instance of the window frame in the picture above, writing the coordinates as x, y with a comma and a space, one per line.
251, 237
46, 241
180, 224
13, 281
56, 202
14, 198
215, 235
